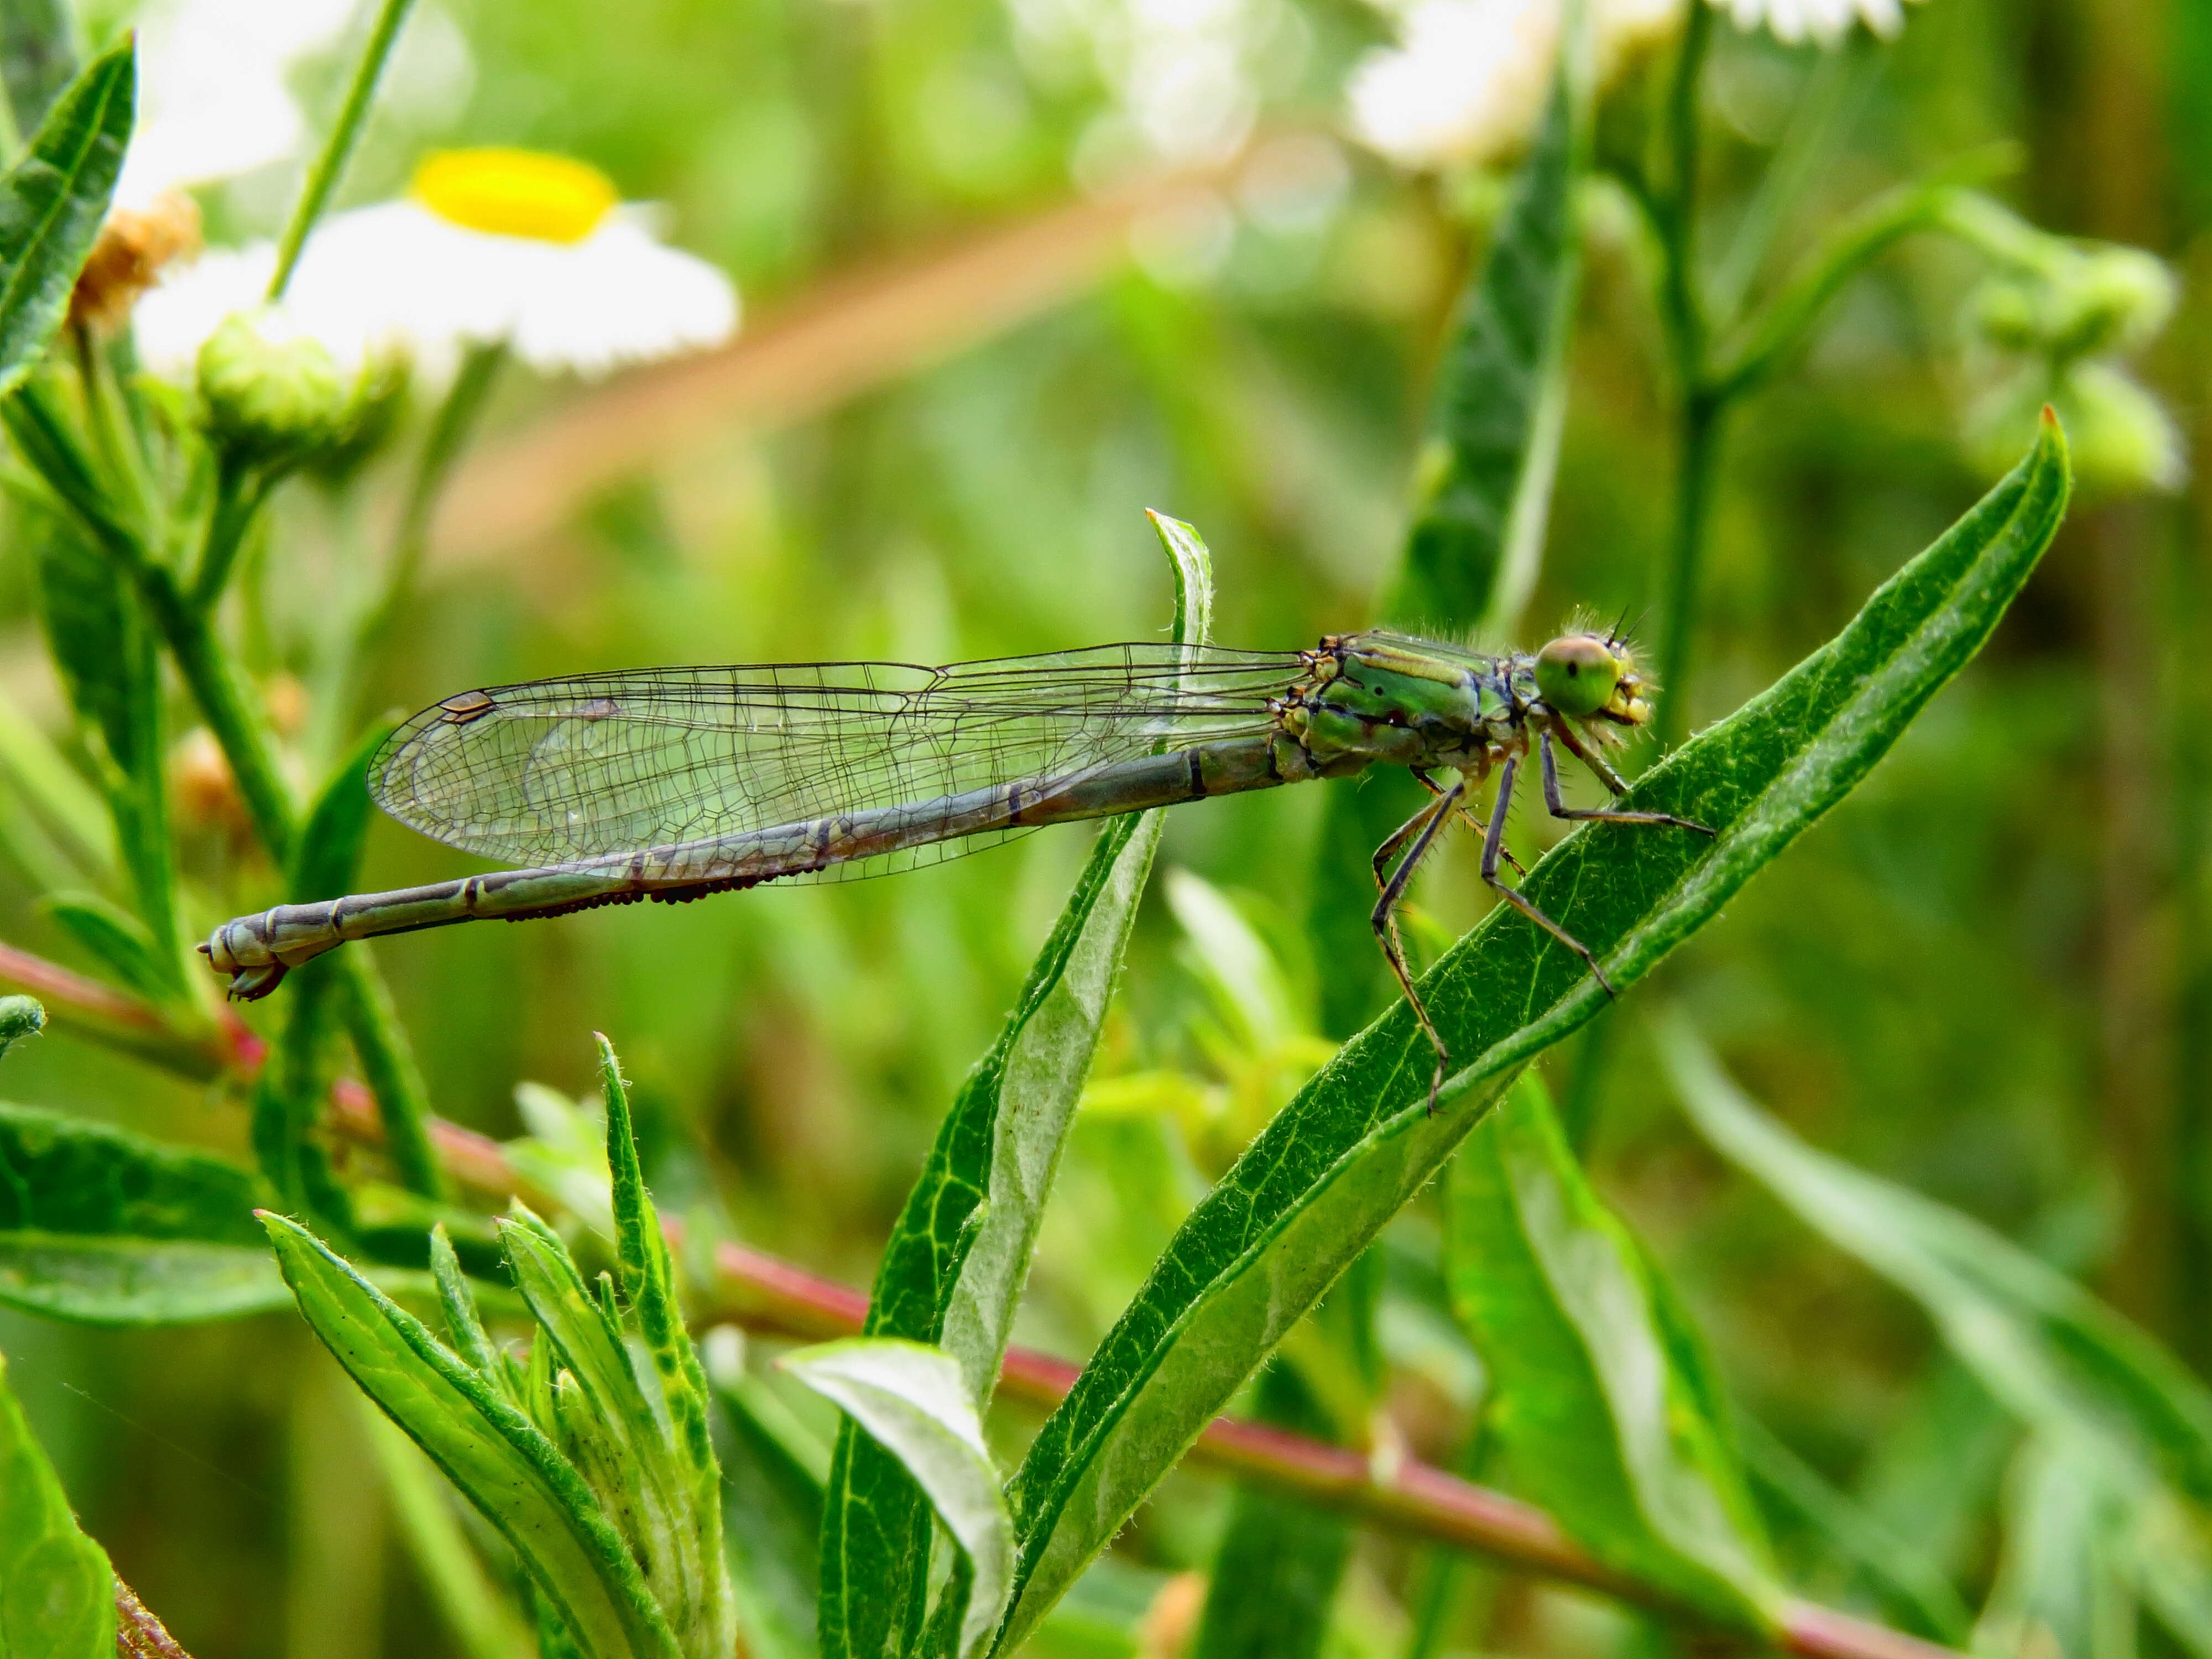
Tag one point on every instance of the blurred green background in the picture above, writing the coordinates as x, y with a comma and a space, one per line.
1988, 976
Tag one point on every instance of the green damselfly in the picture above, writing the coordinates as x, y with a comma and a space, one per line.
673, 783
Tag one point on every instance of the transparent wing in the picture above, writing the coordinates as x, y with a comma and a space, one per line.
557, 771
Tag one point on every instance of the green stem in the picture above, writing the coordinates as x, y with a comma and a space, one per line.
387, 1064
240, 491
1683, 315
123, 463
337, 149
1696, 465
220, 688
434, 465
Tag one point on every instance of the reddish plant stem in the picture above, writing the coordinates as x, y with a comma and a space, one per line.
123, 1020
763, 1293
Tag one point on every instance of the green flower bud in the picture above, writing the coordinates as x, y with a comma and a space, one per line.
371, 413
2084, 302
269, 397
2122, 441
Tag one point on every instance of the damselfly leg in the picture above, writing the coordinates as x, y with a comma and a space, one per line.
1421, 830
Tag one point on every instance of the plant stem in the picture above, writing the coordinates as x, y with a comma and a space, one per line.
1696, 466
441, 448
1681, 310
240, 491
388, 1066
337, 149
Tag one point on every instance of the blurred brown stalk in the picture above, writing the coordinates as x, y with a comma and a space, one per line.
847, 336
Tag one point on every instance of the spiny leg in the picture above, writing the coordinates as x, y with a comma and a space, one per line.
1493, 843
1473, 822
1421, 829
1606, 775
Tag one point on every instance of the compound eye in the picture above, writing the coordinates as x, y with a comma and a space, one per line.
1576, 674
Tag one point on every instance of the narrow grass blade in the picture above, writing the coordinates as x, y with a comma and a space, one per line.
56, 1590
912, 1400
956, 1261
52, 202
503, 1465
1603, 1425
2061, 1585
118, 939
1356, 1145
1910, 1580
2074, 1371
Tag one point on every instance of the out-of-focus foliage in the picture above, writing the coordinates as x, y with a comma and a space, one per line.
1983, 984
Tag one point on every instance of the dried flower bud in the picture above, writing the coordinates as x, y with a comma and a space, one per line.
134, 246
270, 396
200, 781
286, 699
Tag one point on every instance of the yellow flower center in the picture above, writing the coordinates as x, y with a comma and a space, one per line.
515, 192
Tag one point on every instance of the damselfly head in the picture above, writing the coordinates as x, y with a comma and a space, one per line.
1590, 674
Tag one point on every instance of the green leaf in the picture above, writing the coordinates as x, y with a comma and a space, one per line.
1603, 1425
52, 204
775, 1470
500, 1461
37, 56
1472, 550
117, 939
2077, 1374
956, 1261
63, 1174
20, 1017
1356, 1145
134, 1281
479, 1614
604, 1422
56, 1590
106, 1227
913, 1401
105, 655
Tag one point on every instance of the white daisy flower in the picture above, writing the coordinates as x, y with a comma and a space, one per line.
214, 97
489, 246
1794, 21
1468, 79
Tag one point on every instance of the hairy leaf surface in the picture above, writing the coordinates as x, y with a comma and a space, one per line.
956, 1261
1605, 1427
1347, 1153
52, 202
913, 1401
499, 1460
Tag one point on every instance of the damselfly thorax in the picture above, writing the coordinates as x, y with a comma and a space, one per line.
673, 783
